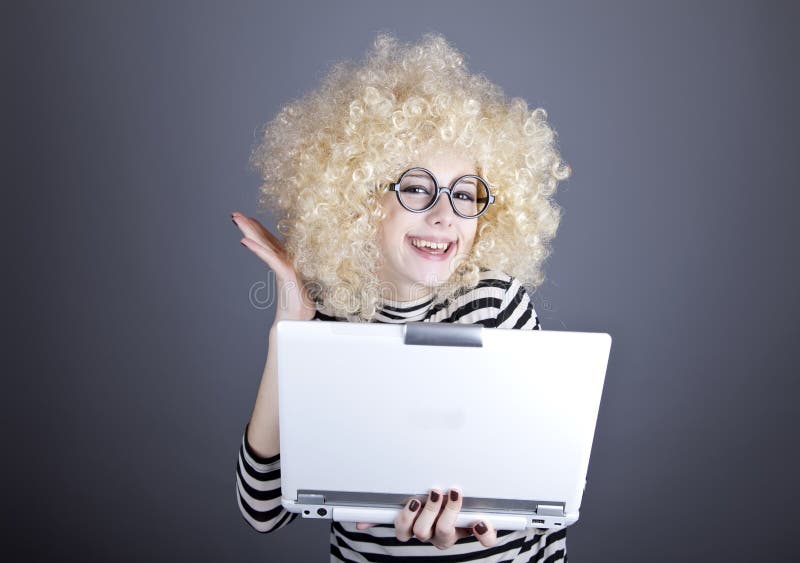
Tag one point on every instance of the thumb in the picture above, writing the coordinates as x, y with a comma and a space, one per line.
364, 525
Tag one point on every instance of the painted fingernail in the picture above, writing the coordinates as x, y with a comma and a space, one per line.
454, 496
481, 528
434, 496
413, 505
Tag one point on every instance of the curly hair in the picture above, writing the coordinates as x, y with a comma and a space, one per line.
325, 157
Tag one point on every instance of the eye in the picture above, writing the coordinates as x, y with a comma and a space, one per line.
416, 189
464, 196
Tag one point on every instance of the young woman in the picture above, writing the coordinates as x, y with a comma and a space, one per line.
407, 189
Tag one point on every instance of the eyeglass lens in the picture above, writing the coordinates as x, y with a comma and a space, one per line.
417, 190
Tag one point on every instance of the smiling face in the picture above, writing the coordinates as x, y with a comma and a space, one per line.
422, 250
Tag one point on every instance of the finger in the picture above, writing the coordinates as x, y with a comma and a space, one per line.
266, 233
404, 520
364, 525
253, 228
250, 230
243, 223
485, 533
444, 534
423, 527
269, 256
264, 252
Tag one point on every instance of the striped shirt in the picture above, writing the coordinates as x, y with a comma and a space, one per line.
498, 301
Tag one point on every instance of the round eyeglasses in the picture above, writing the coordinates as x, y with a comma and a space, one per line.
418, 191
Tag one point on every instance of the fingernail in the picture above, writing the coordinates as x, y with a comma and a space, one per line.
413, 505
434, 496
481, 528
454, 495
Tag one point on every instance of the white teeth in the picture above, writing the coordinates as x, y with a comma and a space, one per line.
432, 245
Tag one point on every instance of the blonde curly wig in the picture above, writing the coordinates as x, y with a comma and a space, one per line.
326, 159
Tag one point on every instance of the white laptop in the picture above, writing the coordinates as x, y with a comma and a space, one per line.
372, 414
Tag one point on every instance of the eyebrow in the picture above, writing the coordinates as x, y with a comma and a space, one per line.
470, 181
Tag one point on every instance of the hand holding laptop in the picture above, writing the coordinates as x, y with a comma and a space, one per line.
434, 521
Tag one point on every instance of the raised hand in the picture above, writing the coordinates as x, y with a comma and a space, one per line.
294, 302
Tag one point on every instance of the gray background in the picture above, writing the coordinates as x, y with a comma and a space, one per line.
137, 350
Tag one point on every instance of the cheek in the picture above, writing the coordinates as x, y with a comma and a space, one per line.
469, 236
394, 227
391, 235
385, 242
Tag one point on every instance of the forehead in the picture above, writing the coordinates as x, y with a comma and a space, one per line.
447, 159
448, 165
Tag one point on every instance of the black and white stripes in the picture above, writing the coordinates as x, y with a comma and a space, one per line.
379, 544
498, 301
258, 488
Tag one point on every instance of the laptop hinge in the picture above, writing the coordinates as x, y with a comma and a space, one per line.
550, 510
443, 334
315, 497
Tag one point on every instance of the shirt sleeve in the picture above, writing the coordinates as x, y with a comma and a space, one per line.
258, 490
516, 309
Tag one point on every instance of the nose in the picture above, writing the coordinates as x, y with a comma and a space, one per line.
442, 213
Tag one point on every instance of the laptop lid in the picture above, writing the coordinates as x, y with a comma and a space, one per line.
371, 414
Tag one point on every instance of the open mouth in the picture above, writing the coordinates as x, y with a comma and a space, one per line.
432, 250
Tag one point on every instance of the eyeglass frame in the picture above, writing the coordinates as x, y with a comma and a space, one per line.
395, 187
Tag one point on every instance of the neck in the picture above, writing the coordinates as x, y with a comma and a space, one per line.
390, 292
